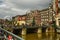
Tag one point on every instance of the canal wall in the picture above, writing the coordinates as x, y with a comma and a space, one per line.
24, 31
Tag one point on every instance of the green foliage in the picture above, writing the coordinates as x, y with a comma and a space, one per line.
33, 23
54, 24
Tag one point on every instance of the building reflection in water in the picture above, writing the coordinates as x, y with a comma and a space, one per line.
58, 36
43, 36
24, 37
39, 36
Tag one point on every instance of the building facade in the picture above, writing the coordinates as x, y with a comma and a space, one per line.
36, 17
33, 15
41, 16
19, 19
56, 5
44, 16
47, 16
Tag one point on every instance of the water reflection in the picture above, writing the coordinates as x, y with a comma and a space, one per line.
43, 36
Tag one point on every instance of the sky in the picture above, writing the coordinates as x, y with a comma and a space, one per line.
9, 8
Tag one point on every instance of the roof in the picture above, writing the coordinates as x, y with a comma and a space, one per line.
32, 11
44, 9
19, 16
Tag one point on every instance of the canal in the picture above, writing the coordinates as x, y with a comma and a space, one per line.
42, 36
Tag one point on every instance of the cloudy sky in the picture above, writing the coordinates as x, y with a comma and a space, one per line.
9, 8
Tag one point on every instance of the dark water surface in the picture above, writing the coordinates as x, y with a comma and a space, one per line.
42, 36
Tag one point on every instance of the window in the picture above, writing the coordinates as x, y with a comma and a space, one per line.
42, 19
42, 14
46, 19
47, 13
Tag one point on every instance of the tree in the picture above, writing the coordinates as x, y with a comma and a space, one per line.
54, 24
33, 22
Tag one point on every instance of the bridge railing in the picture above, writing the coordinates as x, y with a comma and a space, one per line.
8, 35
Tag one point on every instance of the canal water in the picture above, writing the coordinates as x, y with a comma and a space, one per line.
42, 36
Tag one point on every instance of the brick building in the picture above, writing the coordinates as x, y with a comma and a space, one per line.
41, 16
33, 14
